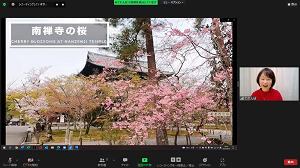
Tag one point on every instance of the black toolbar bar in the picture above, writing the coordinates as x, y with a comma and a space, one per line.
115, 147
125, 161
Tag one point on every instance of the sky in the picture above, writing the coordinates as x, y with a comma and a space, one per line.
63, 61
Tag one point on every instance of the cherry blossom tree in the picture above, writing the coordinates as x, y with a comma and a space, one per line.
213, 44
61, 98
138, 27
204, 50
33, 100
142, 106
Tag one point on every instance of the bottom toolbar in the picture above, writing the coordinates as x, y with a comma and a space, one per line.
117, 147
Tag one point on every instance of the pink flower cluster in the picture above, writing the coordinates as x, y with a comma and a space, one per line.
205, 139
187, 31
118, 63
220, 76
210, 118
178, 46
140, 53
176, 32
229, 69
205, 30
108, 102
148, 107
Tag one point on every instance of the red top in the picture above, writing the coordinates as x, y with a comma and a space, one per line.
271, 95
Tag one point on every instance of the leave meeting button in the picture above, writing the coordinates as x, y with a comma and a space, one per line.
290, 161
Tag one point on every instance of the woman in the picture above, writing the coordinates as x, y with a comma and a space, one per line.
266, 80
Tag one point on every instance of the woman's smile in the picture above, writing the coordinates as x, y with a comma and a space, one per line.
265, 82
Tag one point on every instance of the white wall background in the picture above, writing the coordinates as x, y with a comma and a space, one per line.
287, 81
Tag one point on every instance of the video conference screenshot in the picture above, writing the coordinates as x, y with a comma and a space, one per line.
149, 83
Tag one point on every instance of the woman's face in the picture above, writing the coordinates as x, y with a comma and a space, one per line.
265, 82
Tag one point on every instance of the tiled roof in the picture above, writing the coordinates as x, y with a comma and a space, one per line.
105, 60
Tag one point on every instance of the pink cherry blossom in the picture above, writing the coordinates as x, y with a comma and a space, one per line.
108, 101
157, 74
220, 76
176, 32
140, 53
99, 61
146, 106
187, 31
210, 118
205, 30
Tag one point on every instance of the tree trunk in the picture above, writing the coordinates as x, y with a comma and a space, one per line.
84, 125
220, 43
87, 128
161, 132
161, 136
188, 137
187, 140
67, 136
80, 134
225, 57
176, 135
48, 130
37, 137
150, 51
67, 132
71, 138
75, 124
68, 126
231, 125
226, 63
38, 127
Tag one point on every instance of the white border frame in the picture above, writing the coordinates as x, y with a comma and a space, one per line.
59, 46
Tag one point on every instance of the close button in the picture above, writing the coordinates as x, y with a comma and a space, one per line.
290, 161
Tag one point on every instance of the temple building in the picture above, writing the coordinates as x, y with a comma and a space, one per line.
96, 62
